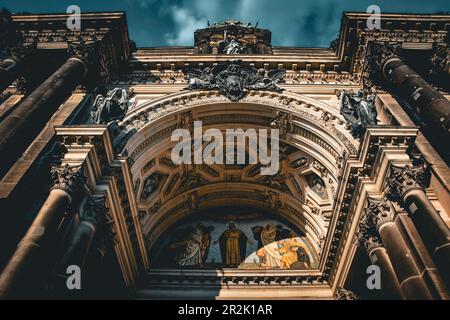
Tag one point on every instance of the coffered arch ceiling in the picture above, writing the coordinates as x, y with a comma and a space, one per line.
313, 142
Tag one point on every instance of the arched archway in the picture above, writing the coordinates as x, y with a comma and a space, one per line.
313, 142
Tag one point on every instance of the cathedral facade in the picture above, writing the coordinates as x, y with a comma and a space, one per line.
230, 169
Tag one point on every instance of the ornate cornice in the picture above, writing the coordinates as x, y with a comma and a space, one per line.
403, 179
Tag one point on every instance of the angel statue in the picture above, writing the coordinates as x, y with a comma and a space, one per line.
111, 107
259, 81
199, 79
359, 111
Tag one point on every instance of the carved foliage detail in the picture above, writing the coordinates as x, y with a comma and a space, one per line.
68, 178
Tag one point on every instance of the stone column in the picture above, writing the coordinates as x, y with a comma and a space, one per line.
17, 130
405, 185
12, 66
369, 238
433, 107
92, 217
26, 269
380, 214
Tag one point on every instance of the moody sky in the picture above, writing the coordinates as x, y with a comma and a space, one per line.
307, 23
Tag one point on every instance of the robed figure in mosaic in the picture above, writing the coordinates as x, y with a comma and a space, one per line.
233, 246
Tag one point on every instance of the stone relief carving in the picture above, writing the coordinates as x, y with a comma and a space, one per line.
232, 79
112, 106
282, 123
298, 163
358, 109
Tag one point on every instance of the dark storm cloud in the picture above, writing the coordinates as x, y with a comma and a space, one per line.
309, 23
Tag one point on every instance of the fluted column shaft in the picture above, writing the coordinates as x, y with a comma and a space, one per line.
24, 121
26, 269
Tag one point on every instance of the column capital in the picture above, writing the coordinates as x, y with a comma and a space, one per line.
70, 179
95, 211
344, 294
403, 179
379, 212
367, 235
21, 51
381, 52
86, 52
